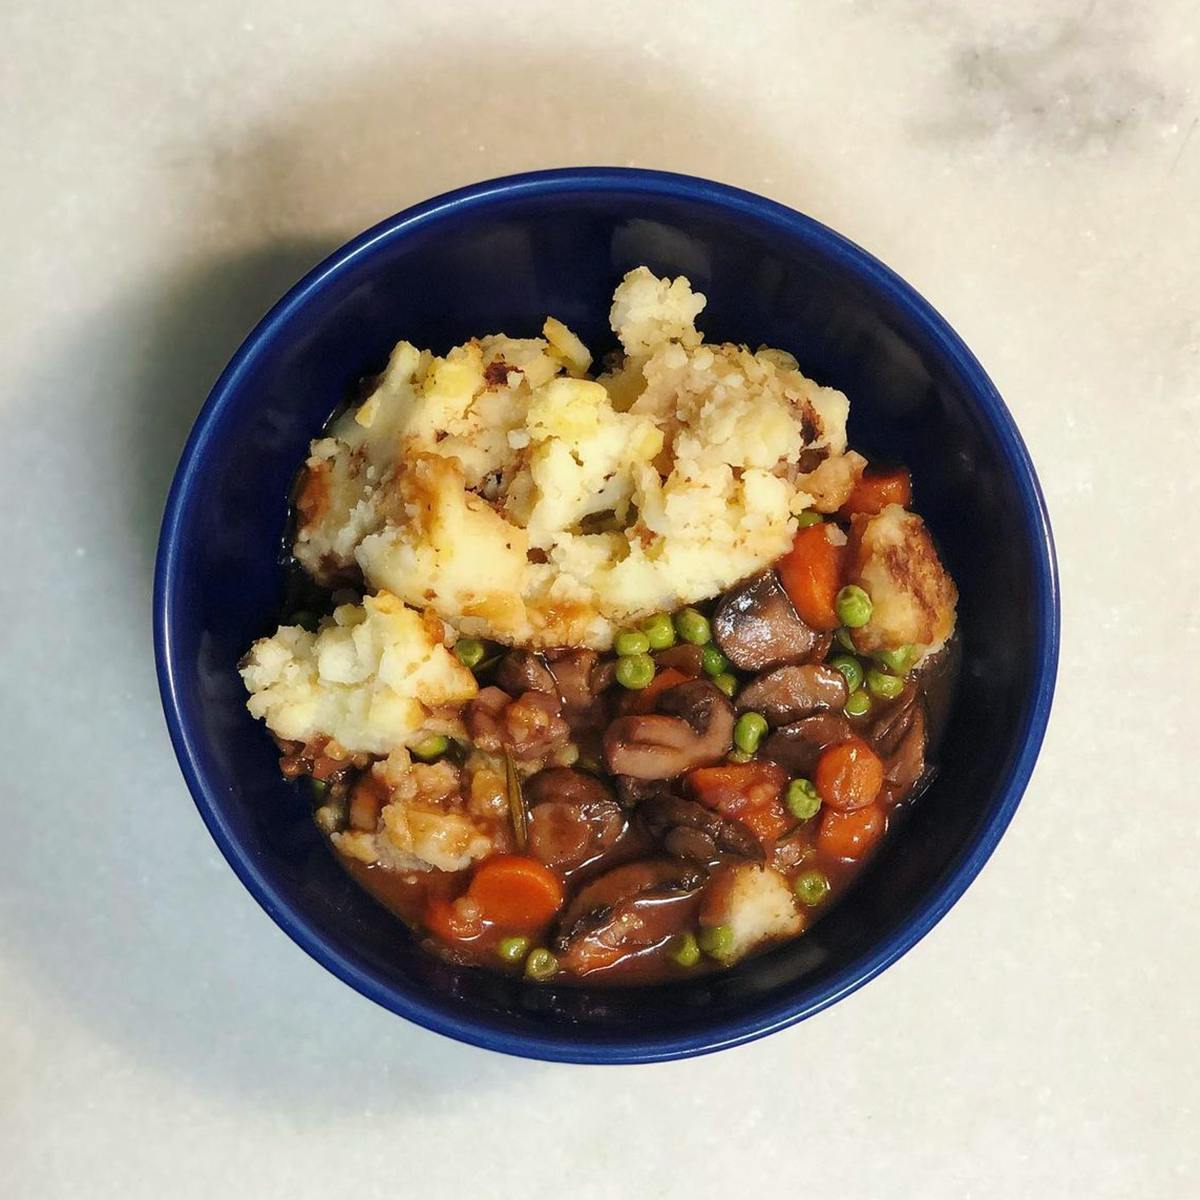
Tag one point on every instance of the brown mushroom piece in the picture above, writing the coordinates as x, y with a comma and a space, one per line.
797, 747
756, 627
572, 672
693, 727
604, 675
888, 730
789, 693
523, 671
903, 768
573, 817
629, 908
692, 831
631, 792
684, 657
580, 679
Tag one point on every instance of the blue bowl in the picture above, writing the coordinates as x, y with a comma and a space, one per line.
500, 256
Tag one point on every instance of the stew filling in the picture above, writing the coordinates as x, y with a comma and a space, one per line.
663, 826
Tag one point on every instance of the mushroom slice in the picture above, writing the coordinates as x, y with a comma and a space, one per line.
573, 817
683, 657
789, 693
692, 831
906, 764
797, 747
756, 626
889, 729
523, 671
693, 727
628, 909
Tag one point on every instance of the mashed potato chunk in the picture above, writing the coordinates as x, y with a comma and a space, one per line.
423, 824
414, 839
368, 679
756, 904
913, 598
519, 500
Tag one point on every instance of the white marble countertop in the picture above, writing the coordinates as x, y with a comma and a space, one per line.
1032, 166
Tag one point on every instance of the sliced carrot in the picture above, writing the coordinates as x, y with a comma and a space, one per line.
769, 822
515, 892
452, 920
645, 700
747, 792
811, 574
875, 490
737, 784
848, 775
850, 835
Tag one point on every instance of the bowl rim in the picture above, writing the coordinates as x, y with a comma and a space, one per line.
570, 1046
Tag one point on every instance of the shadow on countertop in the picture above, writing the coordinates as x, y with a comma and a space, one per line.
128, 919
193, 328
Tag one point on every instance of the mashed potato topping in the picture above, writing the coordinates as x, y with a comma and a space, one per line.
369, 679
518, 500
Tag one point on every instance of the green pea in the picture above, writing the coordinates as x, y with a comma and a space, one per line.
431, 747
659, 631
713, 661
727, 683
540, 964
807, 518
716, 941
886, 687
635, 671
853, 606
843, 639
512, 949
738, 756
851, 670
748, 731
470, 651
859, 704
319, 788
803, 800
684, 949
306, 620
631, 641
897, 661
692, 625
811, 887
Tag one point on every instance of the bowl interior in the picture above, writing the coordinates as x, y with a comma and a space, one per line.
502, 263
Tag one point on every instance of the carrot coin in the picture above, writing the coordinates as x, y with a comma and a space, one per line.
452, 920
515, 892
848, 775
850, 835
